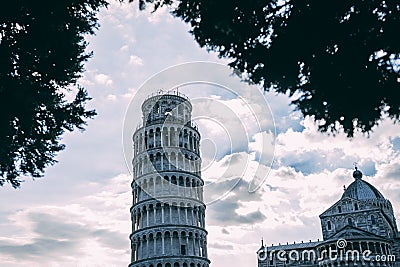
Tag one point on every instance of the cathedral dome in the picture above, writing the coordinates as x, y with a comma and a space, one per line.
362, 190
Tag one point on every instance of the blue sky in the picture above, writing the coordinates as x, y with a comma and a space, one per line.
78, 214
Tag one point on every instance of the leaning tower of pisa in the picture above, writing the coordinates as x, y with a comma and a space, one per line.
168, 213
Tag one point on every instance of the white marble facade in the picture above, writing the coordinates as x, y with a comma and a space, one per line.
168, 212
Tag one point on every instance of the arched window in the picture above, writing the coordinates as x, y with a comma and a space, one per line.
329, 225
355, 206
183, 250
339, 209
350, 221
373, 220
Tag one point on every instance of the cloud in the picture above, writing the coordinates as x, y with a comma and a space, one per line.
93, 229
217, 245
135, 60
37, 248
111, 97
161, 15
264, 147
103, 79
310, 151
225, 212
124, 48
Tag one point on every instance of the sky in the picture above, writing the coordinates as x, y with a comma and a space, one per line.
78, 214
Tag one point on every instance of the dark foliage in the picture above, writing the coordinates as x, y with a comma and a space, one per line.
342, 57
42, 51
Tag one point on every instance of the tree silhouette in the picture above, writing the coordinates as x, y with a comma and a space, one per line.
42, 51
340, 60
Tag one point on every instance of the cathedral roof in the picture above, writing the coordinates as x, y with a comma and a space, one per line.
294, 246
361, 190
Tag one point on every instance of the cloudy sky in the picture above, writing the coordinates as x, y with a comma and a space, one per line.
78, 214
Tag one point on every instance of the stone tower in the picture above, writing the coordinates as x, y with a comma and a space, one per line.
168, 213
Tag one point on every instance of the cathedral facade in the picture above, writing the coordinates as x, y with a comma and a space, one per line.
358, 230
168, 212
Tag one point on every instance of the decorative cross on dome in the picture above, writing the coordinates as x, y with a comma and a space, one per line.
357, 174
355, 165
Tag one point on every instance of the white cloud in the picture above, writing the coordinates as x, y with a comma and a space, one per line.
124, 48
130, 93
103, 79
135, 60
111, 97
93, 229
161, 15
